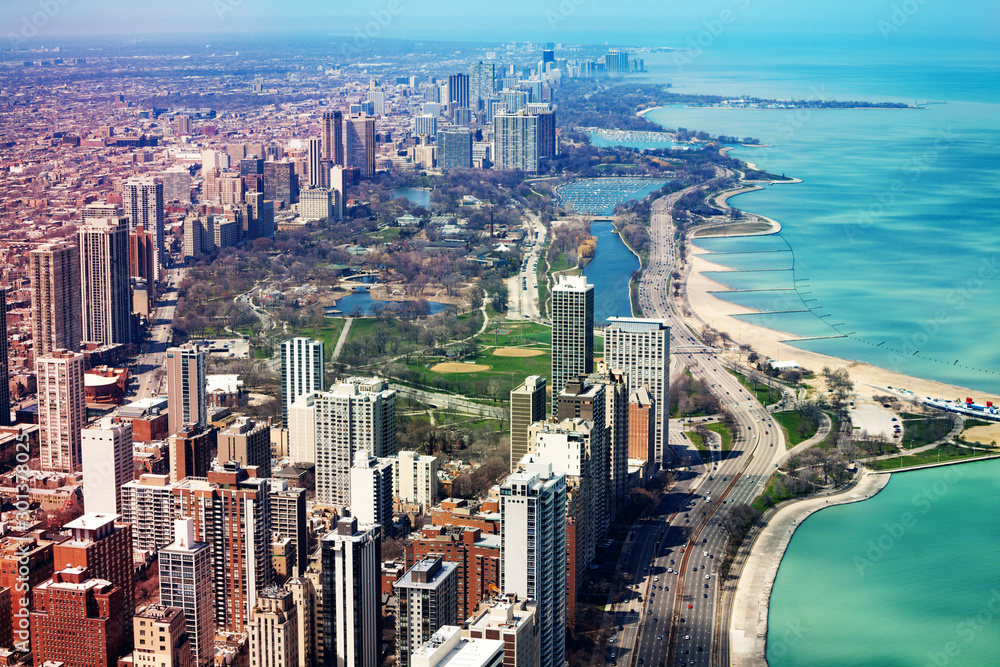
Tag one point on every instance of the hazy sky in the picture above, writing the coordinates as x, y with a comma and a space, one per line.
653, 22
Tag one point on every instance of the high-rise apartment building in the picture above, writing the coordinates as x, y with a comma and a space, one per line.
359, 144
458, 93
359, 414
274, 630
428, 599
616, 419
515, 137
318, 204
161, 638
5, 419
101, 545
641, 349
288, 520
332, 137
142, 257
62, 412
106, 452
304, 597
25, 562
414, 479
281, 183
104, 278
186, 581
586, 399
351, 556
425, 125
527, 406
481, 83
575, 449
54, 271
315, 160
190, 450
533, 533
248, 443
75, 621
572, 332
186, 386
301, 372
454, 148
302, 429
176, 184
547, 144
642, 425
232, 512
371, 490
143, 203
475, 555
148, 506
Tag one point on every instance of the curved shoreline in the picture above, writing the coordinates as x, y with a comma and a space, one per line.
751, 601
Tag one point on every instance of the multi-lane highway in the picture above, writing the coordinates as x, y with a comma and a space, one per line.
679, 621
523, 287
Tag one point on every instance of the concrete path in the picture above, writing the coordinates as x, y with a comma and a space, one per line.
748, 628
343, 338
824, 430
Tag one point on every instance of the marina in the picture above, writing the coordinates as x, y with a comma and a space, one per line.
600, 196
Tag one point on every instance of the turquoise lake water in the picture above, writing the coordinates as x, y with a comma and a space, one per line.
894, 229
908, 577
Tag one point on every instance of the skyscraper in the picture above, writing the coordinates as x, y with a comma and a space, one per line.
4, 363
301, 371
458, 93
186, 579
143, 202
527, 406
191, 450
315, 160
425, 125
106, 451
359, 144
371, 490
584, 399
281, 183
232, 512
547, 145
332, 137
481, 78
357, 415
61, 409
148, 506
414, 479
142, 256
616, 416
288, 520
350, 558
641, 349
572, 332
516, 138
54, 270
248, 443
104, 277
454, 148
428, 595
533, 534
186, 386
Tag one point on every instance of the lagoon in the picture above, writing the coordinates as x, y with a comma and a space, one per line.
610, 272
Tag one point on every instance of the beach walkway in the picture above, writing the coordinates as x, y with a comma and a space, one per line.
748, 625
343, 338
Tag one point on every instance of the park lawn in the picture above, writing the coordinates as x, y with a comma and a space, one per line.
920, 432
511, 371
698, 441
387, 234
560, 263
830, 440
790, 421
329, 333
765, 394
939, 454
519, 334
772, 496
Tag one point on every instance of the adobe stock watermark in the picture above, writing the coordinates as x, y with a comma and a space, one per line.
969, 630
914, 168
899, 15
714, 28
892, 533
781, 641
365, 34
20, 620
562, 12
33, 23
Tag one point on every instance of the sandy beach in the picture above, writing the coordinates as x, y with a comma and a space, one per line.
868, 379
